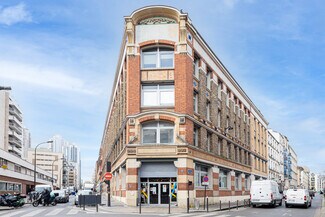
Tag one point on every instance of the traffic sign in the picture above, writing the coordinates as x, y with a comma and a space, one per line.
205, 179
108, 176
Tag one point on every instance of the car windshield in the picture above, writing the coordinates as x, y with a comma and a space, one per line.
85, 192
41, 188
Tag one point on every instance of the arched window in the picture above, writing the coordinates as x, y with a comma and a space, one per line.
157, 132
157, 57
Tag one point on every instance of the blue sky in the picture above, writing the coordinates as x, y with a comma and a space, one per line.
60, 57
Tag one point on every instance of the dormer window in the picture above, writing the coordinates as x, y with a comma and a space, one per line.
157, 57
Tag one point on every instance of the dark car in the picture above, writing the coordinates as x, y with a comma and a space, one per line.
63, 196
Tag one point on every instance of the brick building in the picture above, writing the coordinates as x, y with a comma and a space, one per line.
176, 115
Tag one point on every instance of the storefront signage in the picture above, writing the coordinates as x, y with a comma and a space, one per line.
4, 166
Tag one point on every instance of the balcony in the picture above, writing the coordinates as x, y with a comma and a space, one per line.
15, 127
15, 119
15, 135
15, 142
15, 112
16, 151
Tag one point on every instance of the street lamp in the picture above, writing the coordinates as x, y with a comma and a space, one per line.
52, 167
35, 160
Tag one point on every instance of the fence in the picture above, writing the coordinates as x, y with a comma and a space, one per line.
89, 200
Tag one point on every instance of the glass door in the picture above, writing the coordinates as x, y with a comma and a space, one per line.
164, 193
154, 192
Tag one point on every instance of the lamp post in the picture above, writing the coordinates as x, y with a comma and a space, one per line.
52, 167
36, 158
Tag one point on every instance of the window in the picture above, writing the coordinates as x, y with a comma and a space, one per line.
209, 136
196, 67
158, 57
229, 151
208, 79
219, 118
237, 181
196, 136
223, 179
200, 172
158, 132
195, 102
219, 146
158, 95
208, 111
219, 89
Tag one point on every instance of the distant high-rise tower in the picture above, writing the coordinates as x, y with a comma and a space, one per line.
26, 141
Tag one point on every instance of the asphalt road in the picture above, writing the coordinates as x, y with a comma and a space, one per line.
69, 209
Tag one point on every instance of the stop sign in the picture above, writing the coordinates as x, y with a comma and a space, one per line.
108, 176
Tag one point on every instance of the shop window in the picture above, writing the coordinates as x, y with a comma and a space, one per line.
200, 172
238, 181
158, 132
223, 179
157, 57
158, 95
3, 186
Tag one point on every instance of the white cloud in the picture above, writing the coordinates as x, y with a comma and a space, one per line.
15, 14
42, 76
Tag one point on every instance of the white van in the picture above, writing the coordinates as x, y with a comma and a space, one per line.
265, 192
298, 197
40, 188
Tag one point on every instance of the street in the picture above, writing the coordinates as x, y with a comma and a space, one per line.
69, 209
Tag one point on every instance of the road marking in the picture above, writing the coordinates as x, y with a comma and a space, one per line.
55, 211
34, 213
73, 212
181, 215
13, 213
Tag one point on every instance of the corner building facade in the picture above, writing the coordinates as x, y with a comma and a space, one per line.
177, 115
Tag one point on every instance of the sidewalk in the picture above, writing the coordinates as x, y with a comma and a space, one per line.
3, 208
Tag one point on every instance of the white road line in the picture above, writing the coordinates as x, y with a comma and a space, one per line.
186, 214
208, 214
34, 213
55, 211
13, 213
73, 212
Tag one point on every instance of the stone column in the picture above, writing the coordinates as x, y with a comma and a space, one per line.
185, 171
132, 170
232, 175
215, 181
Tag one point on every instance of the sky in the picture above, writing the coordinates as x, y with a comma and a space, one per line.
60, 58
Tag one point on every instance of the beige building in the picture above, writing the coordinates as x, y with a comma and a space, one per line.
303, 177
48, 161
176, 114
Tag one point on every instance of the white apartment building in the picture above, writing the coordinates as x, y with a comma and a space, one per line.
10, 125
26, 142
293, 168
275, 153
303, 177
49, 161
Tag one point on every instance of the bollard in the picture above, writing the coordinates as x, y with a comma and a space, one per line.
79, 198
169, 205
237, 204
188, 205
84, 200
140, 205
229, 205
207, 204
220, 204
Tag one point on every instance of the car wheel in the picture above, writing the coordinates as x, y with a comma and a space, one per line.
280, 204
254, 205
310, 204
287, 205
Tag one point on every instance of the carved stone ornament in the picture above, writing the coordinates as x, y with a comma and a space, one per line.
156, 20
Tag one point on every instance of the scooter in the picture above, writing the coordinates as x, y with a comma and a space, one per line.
40, 200
12, 200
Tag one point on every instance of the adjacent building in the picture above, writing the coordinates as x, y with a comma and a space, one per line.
16, 174
303, 177
275, 157
176, 115
49, 161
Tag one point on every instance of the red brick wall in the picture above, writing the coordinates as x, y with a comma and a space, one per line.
133, 85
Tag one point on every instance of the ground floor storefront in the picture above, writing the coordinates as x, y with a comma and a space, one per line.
13, 185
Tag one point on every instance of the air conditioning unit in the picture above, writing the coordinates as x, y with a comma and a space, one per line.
182, 120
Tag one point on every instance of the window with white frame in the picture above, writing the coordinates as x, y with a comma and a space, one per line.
237, 182
208, 79
247, 182
219, 89
196, 136
228, 98
196, 66
223, 179
157, 57
208, 111
219, 118
219, 146
158, 132
200, 172
209, 136
195, 101
158, 95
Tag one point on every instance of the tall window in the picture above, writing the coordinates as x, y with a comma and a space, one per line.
219, 146
229, 151
158, 95
227, 97
158, 132
196, 67
223, 179
208, 111
200, 172
195, 102
157, 57
219, 89
209, 136
208, 79
196, 136
219, 118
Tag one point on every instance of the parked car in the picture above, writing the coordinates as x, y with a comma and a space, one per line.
82, 192
40, 188
284, 194
298, 197
63, 196
265, 192
311, 193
